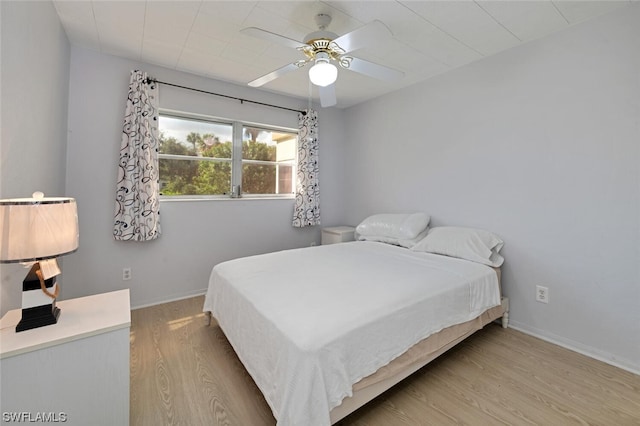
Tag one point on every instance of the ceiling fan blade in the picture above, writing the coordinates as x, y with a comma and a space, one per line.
369, 35
272, 37
327, 95
277, 73
372, 70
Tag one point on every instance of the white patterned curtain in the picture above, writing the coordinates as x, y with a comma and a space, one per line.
307, 208
137, 216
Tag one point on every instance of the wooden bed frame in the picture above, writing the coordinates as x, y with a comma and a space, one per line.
415, 358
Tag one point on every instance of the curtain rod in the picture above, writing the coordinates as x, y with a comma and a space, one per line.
224, 96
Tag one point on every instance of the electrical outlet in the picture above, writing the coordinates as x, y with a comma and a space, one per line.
126, 274
542, 294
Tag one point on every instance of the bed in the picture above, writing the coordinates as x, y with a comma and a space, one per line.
322, 330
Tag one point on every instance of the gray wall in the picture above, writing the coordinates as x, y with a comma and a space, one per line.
196, 234
539, 144
35, 87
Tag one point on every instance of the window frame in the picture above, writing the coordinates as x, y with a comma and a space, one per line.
236, 160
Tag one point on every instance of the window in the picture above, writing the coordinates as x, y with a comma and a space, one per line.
268, 159
208, 157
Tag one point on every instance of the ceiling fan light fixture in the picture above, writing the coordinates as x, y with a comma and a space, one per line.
323, 73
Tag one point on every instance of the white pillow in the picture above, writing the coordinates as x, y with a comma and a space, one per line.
472, 244
401, 226
408, 243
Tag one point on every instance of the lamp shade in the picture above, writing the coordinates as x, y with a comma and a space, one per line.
323, 73
38, 228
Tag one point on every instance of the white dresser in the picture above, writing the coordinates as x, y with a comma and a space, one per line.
74, 372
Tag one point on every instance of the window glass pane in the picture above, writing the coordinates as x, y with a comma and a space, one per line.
285, 179
268, 158
258, 178
194, 139
194, 177
267, 178
197, 138
257, 144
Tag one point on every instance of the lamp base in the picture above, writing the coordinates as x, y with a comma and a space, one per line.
38, 301
38, 317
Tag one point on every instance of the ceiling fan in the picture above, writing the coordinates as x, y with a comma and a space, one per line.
322, 49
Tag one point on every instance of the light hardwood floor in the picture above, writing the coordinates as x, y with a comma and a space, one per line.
185, 373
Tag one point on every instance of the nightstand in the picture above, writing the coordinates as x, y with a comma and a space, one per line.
338, 234
75, 371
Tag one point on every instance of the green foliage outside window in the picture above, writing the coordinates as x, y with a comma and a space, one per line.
258, 178
191, 176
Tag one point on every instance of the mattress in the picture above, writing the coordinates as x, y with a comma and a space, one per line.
309, 323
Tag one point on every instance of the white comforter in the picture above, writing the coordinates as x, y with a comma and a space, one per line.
309, 323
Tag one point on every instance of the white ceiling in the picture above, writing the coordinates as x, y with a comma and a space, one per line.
203, 37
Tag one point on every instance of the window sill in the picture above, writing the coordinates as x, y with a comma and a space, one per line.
174, 199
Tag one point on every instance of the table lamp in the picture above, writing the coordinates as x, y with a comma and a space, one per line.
37, 230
